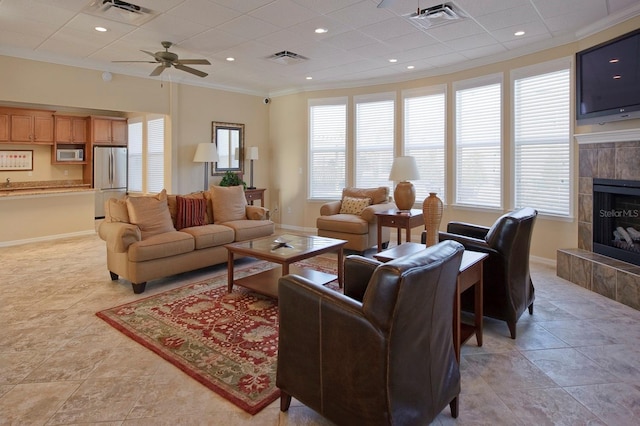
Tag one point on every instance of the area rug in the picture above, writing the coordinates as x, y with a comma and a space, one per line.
226, 341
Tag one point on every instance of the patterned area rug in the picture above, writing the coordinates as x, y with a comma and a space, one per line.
228, 342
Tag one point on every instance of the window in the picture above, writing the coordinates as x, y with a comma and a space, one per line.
327, 148
478, 141
374, 139
146, 154
542, 141
424, 139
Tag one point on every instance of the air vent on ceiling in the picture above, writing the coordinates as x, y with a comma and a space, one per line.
120, 11
437, 15
287, 58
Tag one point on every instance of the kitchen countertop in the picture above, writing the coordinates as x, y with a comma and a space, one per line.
42, 188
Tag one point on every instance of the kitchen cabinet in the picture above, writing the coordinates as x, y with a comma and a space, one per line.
70, 130
4, 127
109, 131
31, 126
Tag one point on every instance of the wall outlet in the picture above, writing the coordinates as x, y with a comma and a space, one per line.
289, 210
66, 172
30, 174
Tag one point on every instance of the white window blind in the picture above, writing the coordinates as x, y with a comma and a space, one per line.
424, 139
542, 142
134, 177
155, 155
374, 141
479, 145
327, 149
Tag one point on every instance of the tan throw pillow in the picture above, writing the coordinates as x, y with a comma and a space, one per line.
378, 195
229, 203
191, 212
352, 205
150, 214
115, 210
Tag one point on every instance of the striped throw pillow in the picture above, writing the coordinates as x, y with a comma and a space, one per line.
191, 212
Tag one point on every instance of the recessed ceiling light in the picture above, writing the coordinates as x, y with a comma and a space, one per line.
231, 59
410, 67
393, 61
321, 30
309, 78
100, 29
518, 33
614, 60
617, 77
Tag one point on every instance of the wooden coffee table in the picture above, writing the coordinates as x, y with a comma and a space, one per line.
284, 250
469, 275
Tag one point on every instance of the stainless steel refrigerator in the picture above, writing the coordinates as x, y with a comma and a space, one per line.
109, 175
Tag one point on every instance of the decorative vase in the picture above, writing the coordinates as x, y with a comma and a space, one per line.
432, 211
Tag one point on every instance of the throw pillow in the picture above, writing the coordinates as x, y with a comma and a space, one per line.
229, 203
150, 214
115, 210
191, 212
352, 205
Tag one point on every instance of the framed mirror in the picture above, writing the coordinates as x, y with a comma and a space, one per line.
229, 140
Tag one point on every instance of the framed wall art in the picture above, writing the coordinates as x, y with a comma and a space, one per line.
14, 160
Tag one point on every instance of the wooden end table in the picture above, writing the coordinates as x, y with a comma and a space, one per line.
469, 275
395, 218
254, 194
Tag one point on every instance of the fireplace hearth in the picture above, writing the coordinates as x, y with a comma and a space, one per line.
616, 219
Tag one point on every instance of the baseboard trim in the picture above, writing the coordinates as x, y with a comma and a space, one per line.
46, 238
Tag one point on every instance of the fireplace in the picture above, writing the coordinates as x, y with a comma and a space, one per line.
616, 219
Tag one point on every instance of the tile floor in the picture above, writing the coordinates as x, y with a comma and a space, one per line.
576, 360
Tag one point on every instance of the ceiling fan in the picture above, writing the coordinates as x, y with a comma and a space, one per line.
168, 59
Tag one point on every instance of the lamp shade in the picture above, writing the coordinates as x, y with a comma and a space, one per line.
252, 153
404, 168
206, 153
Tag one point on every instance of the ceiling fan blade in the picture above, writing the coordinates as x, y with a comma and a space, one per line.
193, 61
149, 53
157, 71
191, 70
146, 62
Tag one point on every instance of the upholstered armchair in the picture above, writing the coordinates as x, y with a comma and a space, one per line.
353, 218
382, 353
507, 286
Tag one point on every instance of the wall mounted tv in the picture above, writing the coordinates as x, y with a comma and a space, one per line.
608, 81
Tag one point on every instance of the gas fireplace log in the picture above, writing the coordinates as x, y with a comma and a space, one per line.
635, 235
624, 234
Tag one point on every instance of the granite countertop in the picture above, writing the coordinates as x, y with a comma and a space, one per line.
42, 187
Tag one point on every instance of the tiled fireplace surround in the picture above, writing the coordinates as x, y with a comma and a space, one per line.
608, 155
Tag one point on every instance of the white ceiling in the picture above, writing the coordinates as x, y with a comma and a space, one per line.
361, 38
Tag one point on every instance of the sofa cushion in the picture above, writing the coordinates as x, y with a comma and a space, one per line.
353, 205
115, 210
229, 203
191, 212
345, 223
210, 235
150, 214
378, 195
249, 229
159, 246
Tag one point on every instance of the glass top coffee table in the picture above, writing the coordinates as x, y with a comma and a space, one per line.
284, 250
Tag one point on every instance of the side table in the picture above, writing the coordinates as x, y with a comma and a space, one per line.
469, 275
255, 194
398, 219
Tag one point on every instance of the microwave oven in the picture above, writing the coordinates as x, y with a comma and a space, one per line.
69, 155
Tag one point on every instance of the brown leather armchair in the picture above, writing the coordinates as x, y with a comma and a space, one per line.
380, 354
507, 286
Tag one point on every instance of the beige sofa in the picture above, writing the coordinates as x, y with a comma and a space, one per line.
353, 218
157, 236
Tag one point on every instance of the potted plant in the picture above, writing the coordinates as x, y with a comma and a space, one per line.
232, 179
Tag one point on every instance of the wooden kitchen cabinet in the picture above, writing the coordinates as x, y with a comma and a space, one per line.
4, 127
70, 130
109, 131
31, 126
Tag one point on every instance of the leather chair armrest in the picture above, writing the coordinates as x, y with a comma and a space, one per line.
357, 273
119, 235
257, 213
469, 243
330, 208
468, 229
369, 213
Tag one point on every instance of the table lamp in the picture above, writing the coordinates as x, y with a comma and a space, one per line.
206, 153
403, 170
252, 154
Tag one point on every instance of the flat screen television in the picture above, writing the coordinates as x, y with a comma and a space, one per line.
608, 80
